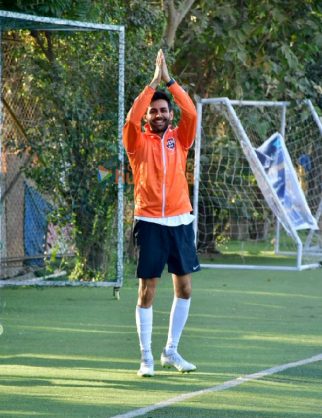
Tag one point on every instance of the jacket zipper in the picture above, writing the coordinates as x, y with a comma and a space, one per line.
164, 175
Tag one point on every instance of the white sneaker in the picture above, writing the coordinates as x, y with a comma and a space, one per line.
175, 360
146, 368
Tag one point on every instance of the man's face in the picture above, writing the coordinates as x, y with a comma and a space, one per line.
158, 116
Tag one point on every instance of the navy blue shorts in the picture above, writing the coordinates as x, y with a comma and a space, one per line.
159, 245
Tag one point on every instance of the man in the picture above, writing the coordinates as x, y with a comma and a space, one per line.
163, 232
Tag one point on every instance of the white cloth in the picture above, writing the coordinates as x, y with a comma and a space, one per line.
144, 319
178, 318
184, 219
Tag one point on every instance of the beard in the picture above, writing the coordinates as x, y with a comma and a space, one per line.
159, 126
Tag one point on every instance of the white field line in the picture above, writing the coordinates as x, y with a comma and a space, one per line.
226, 385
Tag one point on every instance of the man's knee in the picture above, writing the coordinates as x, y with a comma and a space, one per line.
184, 292
182, 286
146, 292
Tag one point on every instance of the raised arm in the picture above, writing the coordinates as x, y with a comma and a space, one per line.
188, 120
132, 127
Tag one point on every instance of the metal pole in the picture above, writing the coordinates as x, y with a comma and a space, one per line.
120, 185
52, 23
314, 115
215, 100
1, 173
278, 225
197, 170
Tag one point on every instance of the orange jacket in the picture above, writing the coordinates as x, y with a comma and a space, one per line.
159, 164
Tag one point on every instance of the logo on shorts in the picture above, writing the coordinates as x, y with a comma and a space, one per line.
194, 268
171, 143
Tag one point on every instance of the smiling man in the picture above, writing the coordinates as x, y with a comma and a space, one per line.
159, 114
163, 231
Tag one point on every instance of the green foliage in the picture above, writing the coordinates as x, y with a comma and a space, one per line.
251, 50
73, 9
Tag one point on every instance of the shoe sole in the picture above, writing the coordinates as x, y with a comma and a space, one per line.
144, 374
169, 366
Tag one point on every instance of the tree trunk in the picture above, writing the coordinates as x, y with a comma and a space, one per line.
174, 18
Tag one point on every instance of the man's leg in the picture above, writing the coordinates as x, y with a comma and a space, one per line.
179, 311
144, 321
178, 318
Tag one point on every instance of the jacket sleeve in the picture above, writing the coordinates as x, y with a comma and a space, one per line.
132, 129
188, 120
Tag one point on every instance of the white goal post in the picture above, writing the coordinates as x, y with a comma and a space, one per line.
95, 112
241, 218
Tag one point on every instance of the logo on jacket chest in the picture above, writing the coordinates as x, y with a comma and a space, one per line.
171, 144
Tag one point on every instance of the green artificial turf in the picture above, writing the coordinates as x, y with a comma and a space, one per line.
73, 352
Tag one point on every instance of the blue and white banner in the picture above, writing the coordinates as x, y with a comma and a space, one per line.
276, 161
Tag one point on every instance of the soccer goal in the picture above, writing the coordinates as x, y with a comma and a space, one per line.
258, 184
62, 112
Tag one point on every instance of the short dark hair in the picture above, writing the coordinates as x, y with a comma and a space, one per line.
161, 95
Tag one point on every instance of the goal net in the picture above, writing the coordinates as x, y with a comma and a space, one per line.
62, 90
248, 216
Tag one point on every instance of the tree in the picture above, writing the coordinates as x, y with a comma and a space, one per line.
252, 49
174, 17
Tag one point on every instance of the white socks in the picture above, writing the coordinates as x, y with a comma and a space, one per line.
144, 319
178, 318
